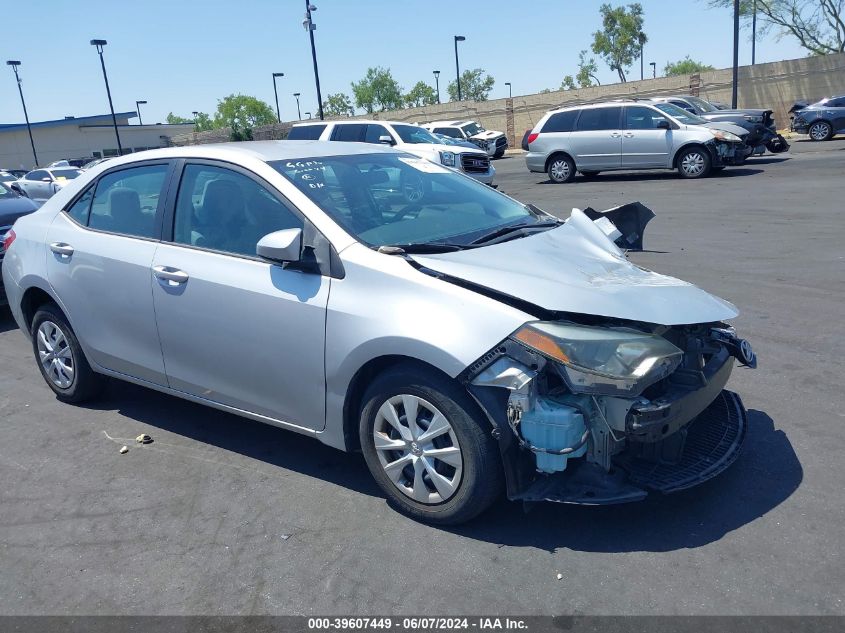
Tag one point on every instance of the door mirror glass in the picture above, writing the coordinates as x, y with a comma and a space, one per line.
281, 246
46, 179
663, 124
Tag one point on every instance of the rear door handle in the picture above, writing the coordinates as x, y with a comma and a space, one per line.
166, 273
615, 135
60, 248
629, 135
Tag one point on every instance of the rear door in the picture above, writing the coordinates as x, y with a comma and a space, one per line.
643, 143
596, 140
351, 132
100, 252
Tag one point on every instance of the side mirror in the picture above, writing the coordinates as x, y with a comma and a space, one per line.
386, 140
46, 179
281, 246
663, 124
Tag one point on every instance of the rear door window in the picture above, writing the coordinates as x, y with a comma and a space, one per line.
448, 131
38, 174
353, 132
374, 132
561, 122
126, 201
306, 132
599, 119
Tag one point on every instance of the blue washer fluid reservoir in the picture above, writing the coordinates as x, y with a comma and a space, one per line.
555, 426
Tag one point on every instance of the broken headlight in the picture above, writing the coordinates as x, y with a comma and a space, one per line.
722, 135
605, 361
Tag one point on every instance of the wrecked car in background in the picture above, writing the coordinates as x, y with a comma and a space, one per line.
760, 124
493, 142
821, 120
466, 343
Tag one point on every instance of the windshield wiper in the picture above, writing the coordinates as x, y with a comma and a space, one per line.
514, 231
431, 247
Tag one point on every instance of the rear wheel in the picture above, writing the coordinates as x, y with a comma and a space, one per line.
561, 169
820, 131
428, 448
694, 163
499, 153
60, 358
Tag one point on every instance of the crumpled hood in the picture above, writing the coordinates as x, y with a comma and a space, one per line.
486, 135
575, 268
726, 126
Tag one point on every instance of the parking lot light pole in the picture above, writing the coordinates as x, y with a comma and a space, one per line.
754, 32
98, 44
437, 82
510, 92
309, 114
14, 64
276, 92
735, 79
298, 113
653, 69
642, 39
138, 105
196, 114
458, 38
309, 25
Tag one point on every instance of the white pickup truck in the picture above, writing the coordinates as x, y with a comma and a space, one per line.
493, 142
405, 136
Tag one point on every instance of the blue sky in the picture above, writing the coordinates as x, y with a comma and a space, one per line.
183, 55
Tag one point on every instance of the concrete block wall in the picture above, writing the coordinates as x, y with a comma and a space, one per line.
775, 85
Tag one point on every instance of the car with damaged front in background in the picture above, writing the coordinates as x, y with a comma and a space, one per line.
467, 344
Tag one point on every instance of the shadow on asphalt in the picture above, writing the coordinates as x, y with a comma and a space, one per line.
729, 172
765, 475
768, 160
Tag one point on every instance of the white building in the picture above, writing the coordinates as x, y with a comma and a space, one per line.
80, 137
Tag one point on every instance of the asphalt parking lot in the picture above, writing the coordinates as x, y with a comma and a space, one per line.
221, 515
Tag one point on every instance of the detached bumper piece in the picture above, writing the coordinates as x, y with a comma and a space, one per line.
698, 452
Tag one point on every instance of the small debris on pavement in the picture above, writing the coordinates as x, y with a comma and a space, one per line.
124, 450
285, 537
144, 439
560, 576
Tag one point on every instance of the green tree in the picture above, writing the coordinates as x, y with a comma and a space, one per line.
621, 36
568, 83
338, 104
377, 90
818, 25
203, 122
420, 95
686, 66
476, 85
586, 75
173, 119
242, 113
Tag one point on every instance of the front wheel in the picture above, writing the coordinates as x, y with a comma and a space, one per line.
499, 153
60, 358
820, 131
694, 163
428, 447
561, 169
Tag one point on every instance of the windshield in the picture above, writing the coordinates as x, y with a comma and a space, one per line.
680, 114
702, 105
402, 200
471, 129
67, 174
7, 178
415, 134
6, 191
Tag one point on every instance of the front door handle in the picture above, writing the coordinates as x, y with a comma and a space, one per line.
60, 248
629, 135
615, 135
166, 273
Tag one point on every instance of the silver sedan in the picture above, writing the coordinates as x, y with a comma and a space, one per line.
465, 343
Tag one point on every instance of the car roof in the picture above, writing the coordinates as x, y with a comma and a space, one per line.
355, 121
601, 104
447, 123
266, 151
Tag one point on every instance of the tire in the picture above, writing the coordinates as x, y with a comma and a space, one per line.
694, 162
590, 174
561, 169
65, 371
499, 153
820, 131
467, 484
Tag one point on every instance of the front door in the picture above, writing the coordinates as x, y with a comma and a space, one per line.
99, 257
236, 329
596, 141
643, 143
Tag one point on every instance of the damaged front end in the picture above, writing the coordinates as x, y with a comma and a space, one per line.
728, 152
601, 412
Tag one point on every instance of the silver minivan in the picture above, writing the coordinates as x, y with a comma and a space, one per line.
631, 135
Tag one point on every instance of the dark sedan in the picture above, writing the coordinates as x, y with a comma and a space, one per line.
821, 120
12, 207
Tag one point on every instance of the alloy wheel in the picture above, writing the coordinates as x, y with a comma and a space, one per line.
418, 449
55, 355
819, 131
560, 170
693, 164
